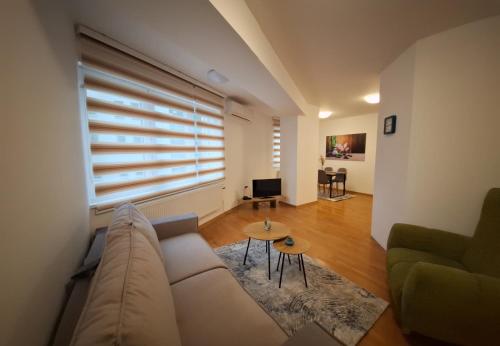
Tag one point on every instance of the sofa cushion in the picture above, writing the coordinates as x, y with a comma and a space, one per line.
127, 214
213, 309
399, 263
187, 255
130, 300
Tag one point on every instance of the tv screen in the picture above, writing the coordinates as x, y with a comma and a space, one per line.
266, 187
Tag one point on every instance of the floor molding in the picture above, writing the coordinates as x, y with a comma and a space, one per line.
300, 205
215, 218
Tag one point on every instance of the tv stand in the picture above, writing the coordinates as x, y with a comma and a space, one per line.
255, 201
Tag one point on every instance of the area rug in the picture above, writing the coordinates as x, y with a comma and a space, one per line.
335, 199
342, 308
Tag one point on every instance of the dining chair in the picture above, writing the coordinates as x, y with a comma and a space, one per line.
340, 177
323, 179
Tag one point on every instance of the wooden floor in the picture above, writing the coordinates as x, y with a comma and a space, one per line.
339, 233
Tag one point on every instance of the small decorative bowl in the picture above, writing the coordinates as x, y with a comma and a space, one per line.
289, 241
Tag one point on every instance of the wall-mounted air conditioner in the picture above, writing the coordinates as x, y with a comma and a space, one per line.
235, 109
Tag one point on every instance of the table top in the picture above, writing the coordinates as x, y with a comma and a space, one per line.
300, 246
256, 231
330, 173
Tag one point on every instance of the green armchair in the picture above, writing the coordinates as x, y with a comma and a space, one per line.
446, 285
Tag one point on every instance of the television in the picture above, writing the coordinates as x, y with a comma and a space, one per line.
263, 188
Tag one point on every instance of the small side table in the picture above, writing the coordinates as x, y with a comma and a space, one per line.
298, 248
256, 231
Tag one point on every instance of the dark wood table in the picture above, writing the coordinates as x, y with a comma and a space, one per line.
331, 175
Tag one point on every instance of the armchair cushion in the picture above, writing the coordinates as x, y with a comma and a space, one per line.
452, 304
400, 261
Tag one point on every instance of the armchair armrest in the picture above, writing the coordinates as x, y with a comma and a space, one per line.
452, 304
170, 226
435, 241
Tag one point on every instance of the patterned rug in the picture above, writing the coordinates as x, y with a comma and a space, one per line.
344, 309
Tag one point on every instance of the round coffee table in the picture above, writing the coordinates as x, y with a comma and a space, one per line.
256, 231
298, 248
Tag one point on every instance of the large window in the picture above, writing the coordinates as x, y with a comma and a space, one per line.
276, 143
147, 134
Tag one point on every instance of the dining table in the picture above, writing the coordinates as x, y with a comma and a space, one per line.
331, 175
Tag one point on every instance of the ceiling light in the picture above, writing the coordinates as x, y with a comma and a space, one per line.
324, 114
216, 77
372, 98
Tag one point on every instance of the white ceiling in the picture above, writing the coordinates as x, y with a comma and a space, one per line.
191, 37
334, 50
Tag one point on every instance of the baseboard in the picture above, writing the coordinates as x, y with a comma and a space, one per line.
214, 219
359, 193
300, 205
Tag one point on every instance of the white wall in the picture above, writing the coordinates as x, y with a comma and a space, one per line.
359, 173
307, 174
391, 167
453, 156
44, 211
288, 158
248, 156
456, 149
299, 140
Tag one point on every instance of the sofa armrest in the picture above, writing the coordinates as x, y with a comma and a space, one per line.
170, 226
312, 334
452, 304
435, 241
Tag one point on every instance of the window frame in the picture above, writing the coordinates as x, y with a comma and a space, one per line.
88, 160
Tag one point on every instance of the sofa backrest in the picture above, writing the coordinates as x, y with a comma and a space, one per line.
129, 300
483, 254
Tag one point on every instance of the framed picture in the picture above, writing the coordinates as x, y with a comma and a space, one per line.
390, 125
346, 147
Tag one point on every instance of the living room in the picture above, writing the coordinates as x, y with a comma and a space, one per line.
184, 108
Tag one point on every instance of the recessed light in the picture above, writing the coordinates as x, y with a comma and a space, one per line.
372, 98
324, 114
216, 77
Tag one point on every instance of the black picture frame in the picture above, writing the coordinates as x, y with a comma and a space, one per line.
390, 125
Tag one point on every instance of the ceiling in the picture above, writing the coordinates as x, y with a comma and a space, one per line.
191, 37
334, 50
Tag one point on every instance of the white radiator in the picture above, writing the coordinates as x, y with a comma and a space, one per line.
203, 201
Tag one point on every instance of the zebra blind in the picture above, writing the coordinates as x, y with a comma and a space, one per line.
276, 143
149, 133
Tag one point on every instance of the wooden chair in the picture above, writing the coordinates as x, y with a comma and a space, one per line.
323, 179
340, 177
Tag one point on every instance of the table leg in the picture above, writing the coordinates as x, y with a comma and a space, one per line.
278, 266
246, 252
269, 258
289, 261
331, 183
303, 269
282, 265
266, 246
300, 266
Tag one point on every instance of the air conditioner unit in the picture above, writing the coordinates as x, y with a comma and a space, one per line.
233, 108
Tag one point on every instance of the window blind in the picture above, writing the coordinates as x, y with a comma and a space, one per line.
148, 133
276, 143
